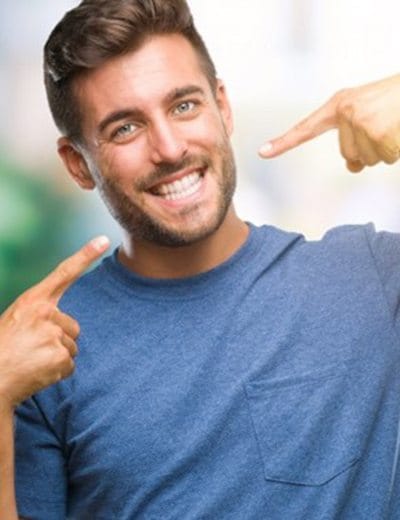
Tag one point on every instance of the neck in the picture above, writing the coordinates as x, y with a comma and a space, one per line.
154, 261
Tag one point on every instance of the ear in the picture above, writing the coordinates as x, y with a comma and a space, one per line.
224, 106
75, 163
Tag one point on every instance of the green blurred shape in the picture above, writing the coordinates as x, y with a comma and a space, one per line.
35, 221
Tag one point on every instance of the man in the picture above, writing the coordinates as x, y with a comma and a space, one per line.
225, 371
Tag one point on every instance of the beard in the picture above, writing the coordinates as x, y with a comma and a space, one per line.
141, 225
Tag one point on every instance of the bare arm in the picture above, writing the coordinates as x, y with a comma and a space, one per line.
7, 498
37, 349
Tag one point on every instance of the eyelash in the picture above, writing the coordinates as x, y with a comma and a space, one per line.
192, 105
121, 131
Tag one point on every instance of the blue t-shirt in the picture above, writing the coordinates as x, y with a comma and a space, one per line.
265, 389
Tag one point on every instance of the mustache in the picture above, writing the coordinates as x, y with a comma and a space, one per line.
163, 170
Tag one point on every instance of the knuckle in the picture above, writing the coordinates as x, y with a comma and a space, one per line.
344, 101
65, 271
378, 135
44, 310
15, 315
388, 151
26, 309
369, 161
58, 333
341, 95
74, 349
63, 357
67, 369
390, 160
350, 153
352, 157
361, 119
393, 150
70, 345
76, 328
54, 334
25, 301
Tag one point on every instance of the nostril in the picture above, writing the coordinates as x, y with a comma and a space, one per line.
169, 151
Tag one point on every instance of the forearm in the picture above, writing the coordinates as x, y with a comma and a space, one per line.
7, 490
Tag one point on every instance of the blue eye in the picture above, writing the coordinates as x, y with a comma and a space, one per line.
186, 106
125, 130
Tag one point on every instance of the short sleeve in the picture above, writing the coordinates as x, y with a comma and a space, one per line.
40, 466
385, 249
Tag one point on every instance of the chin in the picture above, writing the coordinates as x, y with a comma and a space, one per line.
160, 234
165, 237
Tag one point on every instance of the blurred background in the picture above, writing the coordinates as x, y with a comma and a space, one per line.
280, 59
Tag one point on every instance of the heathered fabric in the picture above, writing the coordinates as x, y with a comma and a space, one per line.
265, 389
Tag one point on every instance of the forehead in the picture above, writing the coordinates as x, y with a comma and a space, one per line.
141, 77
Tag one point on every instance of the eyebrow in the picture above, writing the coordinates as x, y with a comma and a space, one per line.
179, 93
135, 113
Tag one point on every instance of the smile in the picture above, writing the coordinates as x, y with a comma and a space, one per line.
180, 188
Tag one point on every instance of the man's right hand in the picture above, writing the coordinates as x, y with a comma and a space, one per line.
37, 340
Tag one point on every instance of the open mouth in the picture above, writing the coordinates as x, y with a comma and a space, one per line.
179, 188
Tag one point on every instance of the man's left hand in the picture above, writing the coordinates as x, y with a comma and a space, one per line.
368, 121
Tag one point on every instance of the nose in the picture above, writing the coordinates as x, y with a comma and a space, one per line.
167, 144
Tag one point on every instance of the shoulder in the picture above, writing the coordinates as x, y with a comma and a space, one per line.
346, 237
340, 237
347, 241
342, 255
363, 241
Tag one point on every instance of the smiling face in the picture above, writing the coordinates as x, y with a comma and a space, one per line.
156, 143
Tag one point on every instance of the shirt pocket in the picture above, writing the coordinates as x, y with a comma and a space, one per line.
307, 426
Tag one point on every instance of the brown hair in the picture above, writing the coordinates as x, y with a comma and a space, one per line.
97, 30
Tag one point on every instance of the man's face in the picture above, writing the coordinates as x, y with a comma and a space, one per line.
158, 144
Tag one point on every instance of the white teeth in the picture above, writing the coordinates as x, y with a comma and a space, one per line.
180, 188
163, 189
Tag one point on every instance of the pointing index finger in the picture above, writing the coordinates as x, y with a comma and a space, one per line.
68, 271
323, 119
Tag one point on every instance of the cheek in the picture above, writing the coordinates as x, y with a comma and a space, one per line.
120, 163
208, 132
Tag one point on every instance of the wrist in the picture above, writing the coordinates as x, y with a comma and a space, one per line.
7, 405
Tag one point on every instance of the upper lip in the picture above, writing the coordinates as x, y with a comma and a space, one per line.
177, 176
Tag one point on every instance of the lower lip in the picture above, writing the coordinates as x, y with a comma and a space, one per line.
193, 197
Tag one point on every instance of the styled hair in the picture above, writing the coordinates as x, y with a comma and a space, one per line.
97, 30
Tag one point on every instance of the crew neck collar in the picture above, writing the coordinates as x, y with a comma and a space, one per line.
178, 287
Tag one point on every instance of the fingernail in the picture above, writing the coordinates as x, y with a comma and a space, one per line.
266, 149
100, 242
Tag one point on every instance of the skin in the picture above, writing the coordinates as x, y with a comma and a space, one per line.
38, 347
161, 137
164, 137
367, 120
